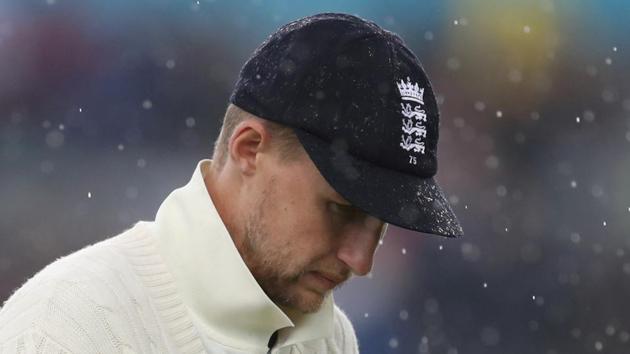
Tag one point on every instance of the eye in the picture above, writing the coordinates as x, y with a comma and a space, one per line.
345, 211
340, 208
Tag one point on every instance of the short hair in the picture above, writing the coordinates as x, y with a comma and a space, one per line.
283, 137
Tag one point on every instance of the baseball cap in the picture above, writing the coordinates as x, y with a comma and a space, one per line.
362, 106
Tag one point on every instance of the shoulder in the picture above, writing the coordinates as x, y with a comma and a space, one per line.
86, 292
344, 335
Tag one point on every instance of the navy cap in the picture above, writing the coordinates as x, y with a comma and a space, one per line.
362, 106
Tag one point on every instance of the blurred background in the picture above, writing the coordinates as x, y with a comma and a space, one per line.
106, 107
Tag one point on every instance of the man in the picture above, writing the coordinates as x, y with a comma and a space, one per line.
330, 134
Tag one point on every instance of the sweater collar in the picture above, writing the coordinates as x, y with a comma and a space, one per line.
215, 283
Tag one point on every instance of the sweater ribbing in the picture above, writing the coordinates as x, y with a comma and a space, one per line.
117, 296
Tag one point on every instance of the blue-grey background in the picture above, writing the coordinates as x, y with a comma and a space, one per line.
106, 106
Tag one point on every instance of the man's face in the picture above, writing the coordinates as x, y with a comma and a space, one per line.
298, 231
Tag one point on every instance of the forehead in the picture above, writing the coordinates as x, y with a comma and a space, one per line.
328, 189
308, 168
312, 181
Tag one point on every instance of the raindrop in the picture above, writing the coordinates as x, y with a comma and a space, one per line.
492, 162
614, 49
499, 114
190, 122
453, 63
490, 336
589, 116
366, 315
89, 194
526, 29
142, 163
480, 106
61, 127
441, 247
404, 315
575, 237
577, 119
121, 147
610, 330
609, 95
515, 76
604, 223
393, 343
534, 115
404, 251
485, 285
597, 191
599, 346
608, 61
54, 139
147, 104
428, 35
131, 192
47, 167
431, 306
45, 124
573, 184
80, 109
470, 252
170, 64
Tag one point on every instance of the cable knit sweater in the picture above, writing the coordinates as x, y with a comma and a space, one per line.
173, 285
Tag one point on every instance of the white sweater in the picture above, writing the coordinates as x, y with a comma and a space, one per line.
173, 285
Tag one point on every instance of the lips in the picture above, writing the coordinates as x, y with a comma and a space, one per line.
333, 279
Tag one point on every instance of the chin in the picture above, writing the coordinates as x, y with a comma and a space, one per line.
309, 301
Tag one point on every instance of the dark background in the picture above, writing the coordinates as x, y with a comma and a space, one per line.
106, 106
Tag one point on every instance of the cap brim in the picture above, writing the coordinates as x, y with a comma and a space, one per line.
401, 199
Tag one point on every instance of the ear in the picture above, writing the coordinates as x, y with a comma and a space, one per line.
249, 139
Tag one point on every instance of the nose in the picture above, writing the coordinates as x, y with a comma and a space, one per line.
358, 245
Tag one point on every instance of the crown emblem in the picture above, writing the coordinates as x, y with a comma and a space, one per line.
410, 91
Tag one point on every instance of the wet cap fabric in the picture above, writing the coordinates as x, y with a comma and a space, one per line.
362, 106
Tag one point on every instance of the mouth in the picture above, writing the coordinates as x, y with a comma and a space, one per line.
323, 281
335, 279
